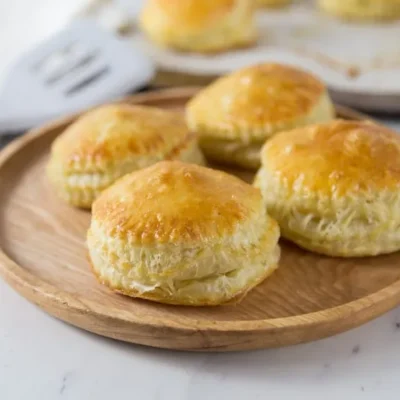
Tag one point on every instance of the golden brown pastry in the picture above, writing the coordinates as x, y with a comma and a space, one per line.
200, 26
334, 188
237, 113
110, 141
362, 9
273, 3
182, 234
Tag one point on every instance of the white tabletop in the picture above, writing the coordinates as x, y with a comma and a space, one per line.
42, 358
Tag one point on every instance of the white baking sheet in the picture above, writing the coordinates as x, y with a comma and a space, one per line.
348, 56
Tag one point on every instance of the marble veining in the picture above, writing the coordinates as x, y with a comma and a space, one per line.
65, 382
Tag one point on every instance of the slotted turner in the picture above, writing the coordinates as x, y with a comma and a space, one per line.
79, 67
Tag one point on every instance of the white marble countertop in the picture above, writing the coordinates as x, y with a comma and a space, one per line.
42, 358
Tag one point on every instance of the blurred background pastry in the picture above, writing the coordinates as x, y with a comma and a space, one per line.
182, 234
236, 114
110, 141
199, 26
273, 3
334, 188
362, 9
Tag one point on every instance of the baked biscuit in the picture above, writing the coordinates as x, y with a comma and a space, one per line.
109, 142
362, 10
199, 26
237, 113
273, 3
182, 234
334, 188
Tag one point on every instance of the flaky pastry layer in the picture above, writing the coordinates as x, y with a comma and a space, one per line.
202, 274
357, 223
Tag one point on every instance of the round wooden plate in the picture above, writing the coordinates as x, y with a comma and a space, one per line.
43, 256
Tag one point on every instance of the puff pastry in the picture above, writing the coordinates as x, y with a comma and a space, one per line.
182, 234
200, 26
237, 113
334, 188
109, 142
362, 10
273, 3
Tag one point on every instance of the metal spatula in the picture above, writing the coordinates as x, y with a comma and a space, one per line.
79, 67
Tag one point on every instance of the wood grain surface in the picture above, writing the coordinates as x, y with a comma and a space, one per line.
43, 256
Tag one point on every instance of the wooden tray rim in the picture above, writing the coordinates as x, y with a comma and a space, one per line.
48, 296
